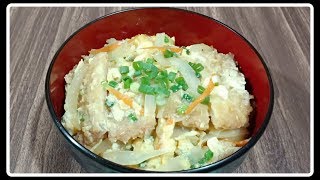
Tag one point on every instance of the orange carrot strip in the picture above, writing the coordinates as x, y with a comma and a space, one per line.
108, 48
173, 49
206, 93
127, 100
241, 143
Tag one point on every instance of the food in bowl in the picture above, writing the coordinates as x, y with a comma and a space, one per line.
146, 103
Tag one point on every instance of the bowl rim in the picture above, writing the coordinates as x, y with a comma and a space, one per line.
120, 168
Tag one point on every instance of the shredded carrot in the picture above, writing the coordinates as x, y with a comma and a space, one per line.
241, 143
206, 93
173, 49
127, 100
108, 48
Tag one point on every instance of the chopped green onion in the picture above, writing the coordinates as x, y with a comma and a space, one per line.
137, 73
127, 83
187, 97
162, 89
132, 117
185, 87
188, 52
82, 119
172, 76
113, 84
145, 80
150, 60
175, 88
166, 39
137, 65
163, 74
201, 89
146, 89
208, 155
206, 100
109, 103
182, 109
153, 72
216, 84
124, 69
198, 67
167, 53
198, 75
180, 81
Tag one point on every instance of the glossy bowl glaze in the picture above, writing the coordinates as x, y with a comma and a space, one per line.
188, 28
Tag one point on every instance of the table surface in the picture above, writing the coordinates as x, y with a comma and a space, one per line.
281, 35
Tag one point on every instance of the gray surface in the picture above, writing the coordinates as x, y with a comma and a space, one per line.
281, 35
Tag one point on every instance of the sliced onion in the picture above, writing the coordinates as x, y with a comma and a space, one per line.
149, 106
71, 119
175, 164
187, 73
132, 157
232, 134
101, 146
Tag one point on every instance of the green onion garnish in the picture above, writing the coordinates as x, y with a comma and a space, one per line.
172, 76
198, 75
208, 155
182, 109
109, 103
137, 65
175, 88
167, 53
124, 69
113, 84
166, 39
132, 117
201, 89
185, 87
150, 60
198, 67
146, 89
180, 81
127, 83
187, 97
206, 100
216, 84
145, 80
137, 73
153, 72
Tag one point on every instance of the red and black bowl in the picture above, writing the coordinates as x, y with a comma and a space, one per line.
188, 28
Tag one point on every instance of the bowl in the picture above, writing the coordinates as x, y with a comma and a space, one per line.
188, 28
